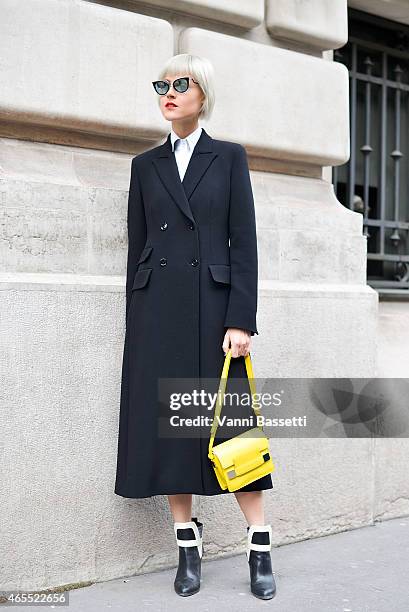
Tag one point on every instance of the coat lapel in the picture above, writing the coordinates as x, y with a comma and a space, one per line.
166, 166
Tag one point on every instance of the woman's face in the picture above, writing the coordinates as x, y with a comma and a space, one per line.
177, 106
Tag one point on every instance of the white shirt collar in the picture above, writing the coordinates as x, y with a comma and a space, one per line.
191, 139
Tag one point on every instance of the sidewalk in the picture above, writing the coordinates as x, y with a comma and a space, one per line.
363, 570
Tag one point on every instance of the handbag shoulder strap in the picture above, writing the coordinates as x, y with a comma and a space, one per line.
220, 395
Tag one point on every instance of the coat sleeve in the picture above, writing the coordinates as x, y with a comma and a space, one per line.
136, 227
242, 305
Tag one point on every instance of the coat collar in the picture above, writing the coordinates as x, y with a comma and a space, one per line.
166, 167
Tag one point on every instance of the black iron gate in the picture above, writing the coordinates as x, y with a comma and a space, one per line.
375, 181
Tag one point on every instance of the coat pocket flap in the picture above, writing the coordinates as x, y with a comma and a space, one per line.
141, 278
220, 273
145, 254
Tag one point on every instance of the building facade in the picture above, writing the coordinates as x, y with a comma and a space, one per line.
76, 104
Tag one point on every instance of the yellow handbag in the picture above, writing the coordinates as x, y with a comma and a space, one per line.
246, 457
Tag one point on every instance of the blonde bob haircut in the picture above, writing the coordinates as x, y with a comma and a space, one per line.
202, 71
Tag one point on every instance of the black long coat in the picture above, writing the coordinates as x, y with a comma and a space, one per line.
191, 274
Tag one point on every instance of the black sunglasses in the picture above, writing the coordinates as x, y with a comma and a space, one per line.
180, 85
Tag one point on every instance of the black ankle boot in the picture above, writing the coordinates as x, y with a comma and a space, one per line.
189, 540
262, 580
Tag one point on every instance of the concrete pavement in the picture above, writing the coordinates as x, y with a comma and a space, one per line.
362, 570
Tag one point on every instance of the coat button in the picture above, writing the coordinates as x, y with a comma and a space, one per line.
163, 261
191, 226
164, 226
194, 262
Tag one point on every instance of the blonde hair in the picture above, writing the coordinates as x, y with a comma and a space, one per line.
201, 70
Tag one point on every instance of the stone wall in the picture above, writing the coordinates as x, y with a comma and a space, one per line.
76, 104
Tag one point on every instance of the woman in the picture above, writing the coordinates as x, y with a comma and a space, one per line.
191, 294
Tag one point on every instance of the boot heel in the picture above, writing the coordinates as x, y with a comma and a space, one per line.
189, 540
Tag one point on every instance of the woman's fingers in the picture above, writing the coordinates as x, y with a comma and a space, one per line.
238, 340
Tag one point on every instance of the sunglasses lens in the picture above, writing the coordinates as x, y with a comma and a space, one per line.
161, 87
181, 85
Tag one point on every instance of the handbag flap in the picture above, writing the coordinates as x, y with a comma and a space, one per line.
244, 452
243, 467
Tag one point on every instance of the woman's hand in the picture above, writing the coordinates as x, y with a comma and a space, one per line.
238, 340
